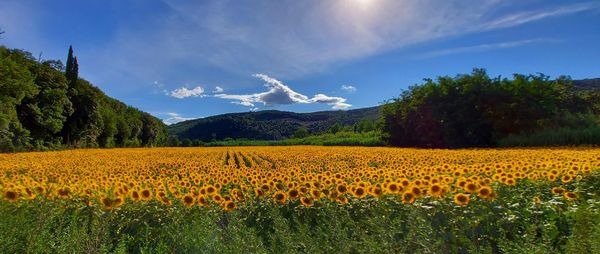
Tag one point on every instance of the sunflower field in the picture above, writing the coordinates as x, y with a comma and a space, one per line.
301, 199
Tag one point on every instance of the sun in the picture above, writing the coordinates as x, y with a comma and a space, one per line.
364, 3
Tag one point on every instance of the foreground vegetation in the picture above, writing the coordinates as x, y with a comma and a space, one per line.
301, 199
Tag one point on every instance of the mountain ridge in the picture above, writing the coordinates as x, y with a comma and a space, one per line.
267, 124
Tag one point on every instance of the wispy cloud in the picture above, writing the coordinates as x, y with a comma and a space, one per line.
349, 88
484, 47
184, 92
280, 94
172, 118
218, 89
520, 18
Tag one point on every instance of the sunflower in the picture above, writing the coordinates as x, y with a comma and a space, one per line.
118, 202
537, 200
461, 199
566, 178
280, 197
376, 191
135, 195
64, 192
393, 188
558, 190
436, 190
359, 192
342, 200
146, 194
293, 194
217, 198
485, 192
570, 195
307, 201
316, 194
107, 202
416, 191
11, 196
259, 192
188, 200
203, 201
510, 182
408, 197
341, 189
229, 206
471, 188
211, 190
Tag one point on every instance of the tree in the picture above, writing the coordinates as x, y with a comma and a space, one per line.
69, 65
335, 128
75, 71
302, 132
474, 110
187, 142
173, 141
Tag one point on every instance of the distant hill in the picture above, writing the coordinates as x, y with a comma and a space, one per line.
266, 125
587, 84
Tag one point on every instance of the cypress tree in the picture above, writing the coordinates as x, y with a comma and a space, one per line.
75, 71
69, 67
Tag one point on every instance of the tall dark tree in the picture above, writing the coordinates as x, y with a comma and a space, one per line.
69, 67
75, 71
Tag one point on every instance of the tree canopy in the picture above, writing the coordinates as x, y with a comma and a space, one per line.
474, 110
43, 108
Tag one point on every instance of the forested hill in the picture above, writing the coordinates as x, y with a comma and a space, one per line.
267, 125
45, 105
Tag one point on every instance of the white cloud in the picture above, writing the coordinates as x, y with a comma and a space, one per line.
173, 118
280, 94
218, 89
184, 92
349, 88
484, 47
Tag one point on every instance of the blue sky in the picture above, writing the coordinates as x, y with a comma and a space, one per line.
168, 57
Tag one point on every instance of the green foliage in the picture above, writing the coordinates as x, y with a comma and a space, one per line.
474, 110
302, 132
41, 108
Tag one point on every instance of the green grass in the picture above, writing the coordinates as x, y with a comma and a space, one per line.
327, 139
510, 224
